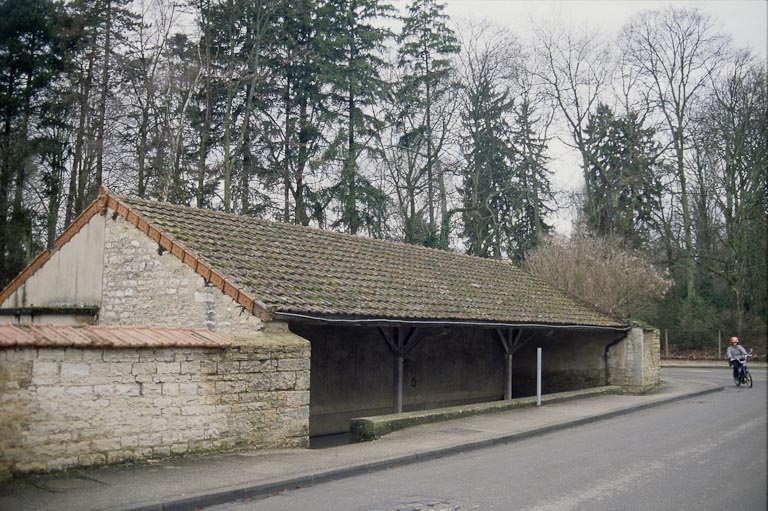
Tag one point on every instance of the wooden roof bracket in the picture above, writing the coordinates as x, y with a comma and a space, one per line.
510, 345
399, 345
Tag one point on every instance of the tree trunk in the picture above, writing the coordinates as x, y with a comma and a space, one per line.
103, 97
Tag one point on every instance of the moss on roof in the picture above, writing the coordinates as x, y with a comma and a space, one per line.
310, 271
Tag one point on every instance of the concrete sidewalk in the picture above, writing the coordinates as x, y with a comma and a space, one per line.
189, 483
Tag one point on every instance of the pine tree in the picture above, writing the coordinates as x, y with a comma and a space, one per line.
353, 63
426, 46
625, 190
531, 178
31, 59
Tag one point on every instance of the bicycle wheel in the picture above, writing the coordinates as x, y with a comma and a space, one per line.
737, 380
748, 379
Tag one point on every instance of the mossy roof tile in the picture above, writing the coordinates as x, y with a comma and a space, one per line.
301, 270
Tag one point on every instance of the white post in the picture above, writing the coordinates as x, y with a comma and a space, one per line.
538, 376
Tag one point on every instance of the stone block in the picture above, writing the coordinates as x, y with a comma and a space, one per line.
106, 444
170, 412
188, 389
52, 354
163, 355
73, 355
152, 438
261, 383
122, 369
127, 389
91, 459
302, 380
60, 463
170, 389
167, 368
180, 448
283, 380
143, 368
79, 391
257, 366
44, 372
297, 398
129, 442
121, 355
120, 456
150, 389
293, 364
230, 387
208, 367
192, 368
18, 355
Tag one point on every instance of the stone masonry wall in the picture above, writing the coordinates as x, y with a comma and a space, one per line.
651, 359
62, 408
634, 363
145, 286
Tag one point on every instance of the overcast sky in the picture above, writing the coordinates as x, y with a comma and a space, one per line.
746, 21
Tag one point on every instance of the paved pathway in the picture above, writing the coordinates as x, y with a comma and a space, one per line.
186, 483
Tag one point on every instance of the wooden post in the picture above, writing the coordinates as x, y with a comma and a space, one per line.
511, 342
666, 344
398, 384
719, 345
400, 342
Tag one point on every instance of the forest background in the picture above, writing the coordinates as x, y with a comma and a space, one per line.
391, 121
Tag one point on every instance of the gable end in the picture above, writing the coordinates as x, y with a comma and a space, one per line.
210, 275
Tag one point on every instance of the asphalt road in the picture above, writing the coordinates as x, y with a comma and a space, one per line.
704, 453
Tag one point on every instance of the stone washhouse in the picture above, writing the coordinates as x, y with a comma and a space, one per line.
152, 330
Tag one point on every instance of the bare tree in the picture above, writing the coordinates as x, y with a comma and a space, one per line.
729, 162
576, 69
143, 76
674, 54
600, 272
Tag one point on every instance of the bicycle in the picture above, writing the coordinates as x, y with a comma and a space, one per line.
744, 378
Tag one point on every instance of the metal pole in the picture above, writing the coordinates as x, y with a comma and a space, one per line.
666, 344
538, 376
508, 385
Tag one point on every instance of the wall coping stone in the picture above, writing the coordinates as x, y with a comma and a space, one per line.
108, 336
370, 428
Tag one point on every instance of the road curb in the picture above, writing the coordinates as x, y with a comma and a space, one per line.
266, 489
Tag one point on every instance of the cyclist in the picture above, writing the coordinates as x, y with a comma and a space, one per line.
735, 354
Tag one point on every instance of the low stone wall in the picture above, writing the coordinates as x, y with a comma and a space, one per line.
62, 408
363, 429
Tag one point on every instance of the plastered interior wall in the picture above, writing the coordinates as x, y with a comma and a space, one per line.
64, 408
72, 276
352, 372
571, 360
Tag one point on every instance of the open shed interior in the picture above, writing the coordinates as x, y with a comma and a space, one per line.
354, 368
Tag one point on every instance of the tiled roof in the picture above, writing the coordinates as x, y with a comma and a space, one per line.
284, 268
107, 337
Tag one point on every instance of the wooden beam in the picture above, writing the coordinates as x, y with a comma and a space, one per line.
397, 390
400, 343
511, 343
